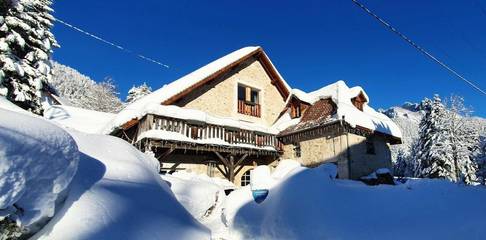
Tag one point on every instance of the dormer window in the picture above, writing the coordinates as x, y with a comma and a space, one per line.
249, 101
295, 111
359, 101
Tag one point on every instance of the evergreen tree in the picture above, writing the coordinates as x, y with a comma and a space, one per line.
25, 46
402, 164
434, 157
136, 93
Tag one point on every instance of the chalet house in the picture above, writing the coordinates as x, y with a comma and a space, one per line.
238, 112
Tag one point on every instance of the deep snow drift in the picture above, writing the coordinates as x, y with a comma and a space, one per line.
310, 204
117, 194
106, 189
37, 162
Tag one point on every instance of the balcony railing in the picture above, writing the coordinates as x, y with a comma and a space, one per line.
203, 131
250, 109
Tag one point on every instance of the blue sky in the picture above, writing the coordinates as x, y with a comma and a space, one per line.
312, 43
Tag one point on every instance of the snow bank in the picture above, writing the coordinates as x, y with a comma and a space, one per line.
37, 162
78, 118
310, 204
117, 194
197, 193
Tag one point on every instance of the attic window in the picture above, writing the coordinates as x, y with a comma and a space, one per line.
359, 101
295, 110
249, 101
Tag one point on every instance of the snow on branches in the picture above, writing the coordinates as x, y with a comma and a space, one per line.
25, 46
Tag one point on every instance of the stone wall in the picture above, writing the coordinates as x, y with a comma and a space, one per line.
220, 96
363, 164
353, 162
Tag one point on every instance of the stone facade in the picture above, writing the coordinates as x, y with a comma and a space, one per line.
220, 96
347, 150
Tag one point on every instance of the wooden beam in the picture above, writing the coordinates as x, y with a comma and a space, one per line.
225, 174
174, 167
239, 169
241, 159
223, 159
231, 169
165, 154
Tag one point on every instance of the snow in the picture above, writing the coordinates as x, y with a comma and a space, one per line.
183, 114
118, 194
135, 109
83, 120
175, 136
341, 94
37, 162
328, 208
310, 203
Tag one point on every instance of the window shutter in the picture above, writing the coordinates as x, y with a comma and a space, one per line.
248, 94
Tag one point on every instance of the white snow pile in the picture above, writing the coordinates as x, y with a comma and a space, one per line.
37, 162
341, 94
118, 194
139, 107
83, 120
198, 193
311, 204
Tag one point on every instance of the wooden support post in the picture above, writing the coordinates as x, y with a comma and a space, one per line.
231, 169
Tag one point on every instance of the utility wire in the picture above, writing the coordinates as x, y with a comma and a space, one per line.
394, 30
111, 43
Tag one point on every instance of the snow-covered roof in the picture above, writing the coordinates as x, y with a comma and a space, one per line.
132, 111
341, 95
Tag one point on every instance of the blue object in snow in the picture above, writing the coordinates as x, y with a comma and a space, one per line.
259, 195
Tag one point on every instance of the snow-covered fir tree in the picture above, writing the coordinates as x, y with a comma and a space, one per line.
83, 92
464, 140
138, 92
434, 157
401, 164
25, 47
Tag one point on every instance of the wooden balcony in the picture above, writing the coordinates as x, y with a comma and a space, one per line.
250, 109
198, 133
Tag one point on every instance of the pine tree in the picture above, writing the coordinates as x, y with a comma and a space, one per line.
434, 156
136, 93
25, 46
402, 164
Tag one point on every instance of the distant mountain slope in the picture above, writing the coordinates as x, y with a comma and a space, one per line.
408, 117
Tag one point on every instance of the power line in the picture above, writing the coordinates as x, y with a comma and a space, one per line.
408, 40
111, 43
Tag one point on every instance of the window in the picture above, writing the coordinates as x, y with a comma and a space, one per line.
248, 101
295, 111
297, 151
370, 146
245, 178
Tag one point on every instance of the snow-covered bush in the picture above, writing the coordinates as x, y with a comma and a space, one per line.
83, 92
25, 47
37, 162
